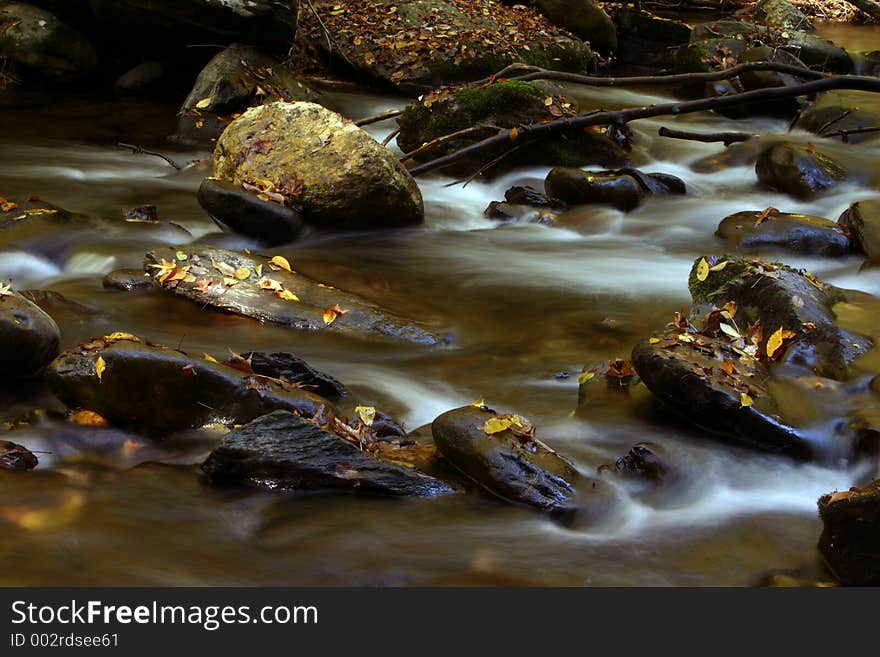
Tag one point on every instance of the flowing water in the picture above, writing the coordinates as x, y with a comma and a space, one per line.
528, 305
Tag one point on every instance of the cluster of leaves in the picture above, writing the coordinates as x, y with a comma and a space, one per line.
376, 34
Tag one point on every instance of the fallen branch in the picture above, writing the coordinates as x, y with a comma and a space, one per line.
382, 116
137, 150
620, 117
844, 134
727, 138
390, 136
428, 145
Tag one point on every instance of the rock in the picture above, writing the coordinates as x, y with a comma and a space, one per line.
584, 19
447, 41
531, 196
145, 78
127, 280
646, 40
644, 461
704, 56
246, 213
755, 230
516, 467
762, 386
29, 338
722, 29
834, 112
850, 541
753, 80
780, 13
624, 189
289, 368
507, 105
861, 221
235, 79
800, 171
819, 54
158, 390
43, 48
521, 214
281, 451
16, 457
312, 157
229, 281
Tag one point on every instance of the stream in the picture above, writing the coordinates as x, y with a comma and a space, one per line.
528, 307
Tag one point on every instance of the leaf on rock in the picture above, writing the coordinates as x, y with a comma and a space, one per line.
208, 357
775, 341
496, 425
88, 419
6, 290
745, 401
119, 336
223, 268
330, 314
585, 376
366, 413
100, 366
242, 273
280, 262
271, 284
287, 295
702, 270
204, 103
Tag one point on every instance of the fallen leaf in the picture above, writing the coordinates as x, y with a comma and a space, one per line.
702, 270
88, 419
6, 290
745, 400
223, 268
242, 273
16, 457
280, 262
271, 284
208, 357
514, 133
586, 376
119, 336
287, 295
775, 341
496, 425
100, 366
720, 266
204, 102
330, 314
366, 413
479, 403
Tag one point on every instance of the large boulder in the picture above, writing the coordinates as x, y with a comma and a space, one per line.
419, 45
770, 229
800, 171
762, 359
585, 19
41, 47
29, 338
154, 389
839, 113
313, 158
282, 451
645, 40
624, 189
850, 541
257, 287
236, 78
506, 104
780, 13
861, 221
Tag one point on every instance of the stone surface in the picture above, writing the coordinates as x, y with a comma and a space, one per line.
850, 541
861, 221
800, 171
29, 338
752, 230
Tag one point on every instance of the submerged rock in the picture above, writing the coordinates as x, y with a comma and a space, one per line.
502, 455
756, 230
159, 390
29, 338
314, 159
257, 287
624, 189
505, 104
282, 451
861, 221
800, 171
247, 213
850, 541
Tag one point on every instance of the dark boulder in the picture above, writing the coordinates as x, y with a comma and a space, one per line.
757, 230
282, 451
257, 287
128, 280
780, 13
250, 213
800, 171
861, 221
837, 114
645, 40
144, 79
850, 541
16, 457
296, 371
159, 390
585, 19
624, 189
29, 338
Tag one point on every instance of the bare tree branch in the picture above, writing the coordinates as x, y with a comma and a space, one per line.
727, 138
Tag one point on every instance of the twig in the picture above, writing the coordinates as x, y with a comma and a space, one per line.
387, 114
727, 138
466, 181
391, 136
428, 145
855, 131
830, 123
529, 132
137, 150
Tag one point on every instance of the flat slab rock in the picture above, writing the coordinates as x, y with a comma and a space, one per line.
282, 451
253, 286
156, 390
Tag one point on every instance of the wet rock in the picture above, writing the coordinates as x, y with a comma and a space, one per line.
646, 40
235, 79
861, 221
453, 44
281, 451
584, 19
531, 196
754, 80
312, 157
835, 113
16, 457
722, 29
29, 338
43, 48
158, 390
780, 13
644, 461
624, 189
765, 373
255, 287
504, 104
755, 230
509, 463
819, 54
850, 541
296, 371
246, 213
145, 78
127, 280
800, 171
522, 214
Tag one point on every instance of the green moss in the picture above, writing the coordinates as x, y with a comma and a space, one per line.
498, 98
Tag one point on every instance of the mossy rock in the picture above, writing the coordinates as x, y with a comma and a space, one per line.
585, 19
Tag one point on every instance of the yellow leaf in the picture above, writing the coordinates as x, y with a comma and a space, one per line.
88, 419
119, 335
548, 101
650, 341
242, 273
721, 265
209, 358
271, 284
745, 400
514, 133
366, 413
496, 425
259, 270
287, 295
774, 342
702, 270
589, 374
100, 366
5, 290
204, 102
478, 404
280, 262
330, 314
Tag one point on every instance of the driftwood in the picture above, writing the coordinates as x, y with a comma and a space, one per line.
525, 133
727, 138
